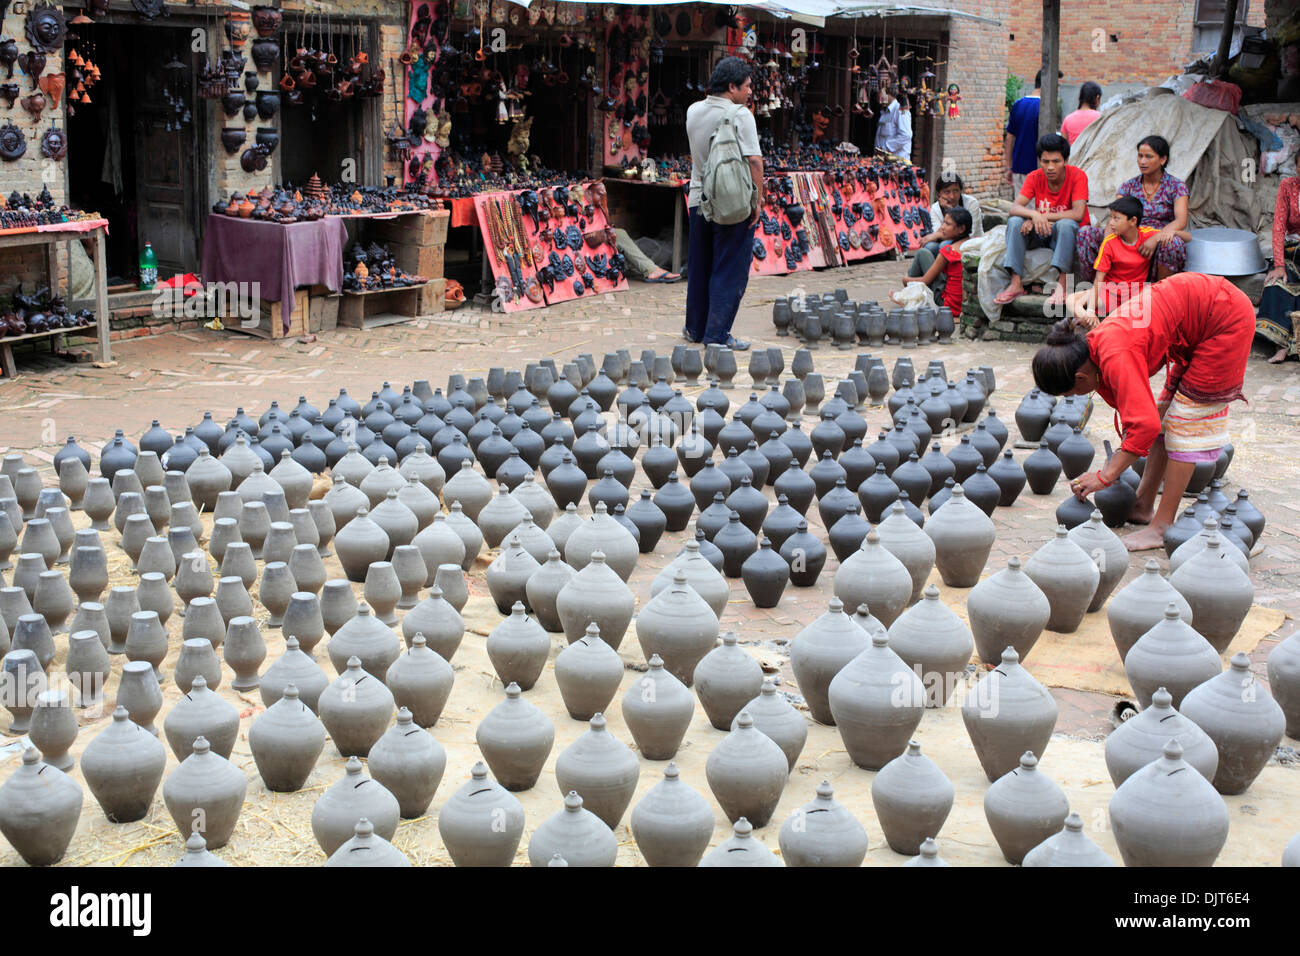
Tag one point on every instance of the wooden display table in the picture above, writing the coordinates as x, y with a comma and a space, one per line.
376, 307
50, 237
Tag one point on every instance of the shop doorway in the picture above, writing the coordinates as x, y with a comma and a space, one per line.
135, 151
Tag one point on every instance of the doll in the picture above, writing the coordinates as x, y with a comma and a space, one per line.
954, 97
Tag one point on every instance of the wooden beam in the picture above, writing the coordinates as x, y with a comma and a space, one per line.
1225, 38
1048, 120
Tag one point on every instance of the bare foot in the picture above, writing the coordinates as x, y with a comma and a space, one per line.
1057, 297
1278, 357
1014, 291
1140, 515
1148, 539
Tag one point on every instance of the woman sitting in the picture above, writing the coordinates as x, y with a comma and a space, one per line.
1281, 300
1164, 207
942, 273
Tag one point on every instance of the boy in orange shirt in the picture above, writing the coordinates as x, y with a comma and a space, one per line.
1122, 269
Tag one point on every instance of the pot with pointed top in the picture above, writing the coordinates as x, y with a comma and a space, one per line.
515, 739
725, 680
205, 787
576, 835
1023, 808
912, 798
1219, 592
1007, 608
1140, 605
1166, 815
355, 795
1069, 578
409, 762
1142, 738
1007, 713
123, 765
481, 824
601, 769
672, 824
201, 713
39, 809
877, 702
588, 673
747, 772
596, 595
934, 642
1107, 552
822, 833
1242, 718
820, 651
657, 709
355, 710
1170, 655
1070, 847
518, 648
874, 577
678, 626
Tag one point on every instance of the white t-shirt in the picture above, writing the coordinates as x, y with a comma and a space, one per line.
702, 119
972, 206
894, 131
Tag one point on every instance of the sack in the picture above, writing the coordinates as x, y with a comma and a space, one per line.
727, 193
1216, 94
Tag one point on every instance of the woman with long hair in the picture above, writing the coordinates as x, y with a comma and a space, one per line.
1197, 328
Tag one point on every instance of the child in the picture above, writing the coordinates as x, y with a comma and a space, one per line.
954, 231
1122, 269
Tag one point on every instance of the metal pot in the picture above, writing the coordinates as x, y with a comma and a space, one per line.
1217, 251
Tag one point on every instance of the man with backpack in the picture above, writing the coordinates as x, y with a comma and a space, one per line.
726, 193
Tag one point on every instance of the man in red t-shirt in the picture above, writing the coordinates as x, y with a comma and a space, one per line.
1052, 205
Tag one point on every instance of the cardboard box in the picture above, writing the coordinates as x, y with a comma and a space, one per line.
418, 260
417, 228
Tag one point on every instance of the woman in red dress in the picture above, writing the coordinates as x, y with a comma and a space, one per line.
1199, 329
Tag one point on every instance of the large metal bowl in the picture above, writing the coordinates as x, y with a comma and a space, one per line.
1217, 251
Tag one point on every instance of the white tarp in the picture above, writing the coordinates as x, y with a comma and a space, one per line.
1206, 150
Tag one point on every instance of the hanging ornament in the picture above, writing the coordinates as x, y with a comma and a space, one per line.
54, 144
46, 27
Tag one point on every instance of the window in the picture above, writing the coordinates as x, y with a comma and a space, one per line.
1209, 23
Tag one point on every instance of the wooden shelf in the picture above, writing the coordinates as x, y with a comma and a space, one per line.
379, 307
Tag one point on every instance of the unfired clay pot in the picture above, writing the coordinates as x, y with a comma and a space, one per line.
657, 709
438, 620
1064, 572
201, 713
543, 589
773, 715
596, 595
579, 836
39, 809
588, 673
877, 702
900, 536
1166, 814
725, 680
1142, 738
356, 709
1284, 681
207, 787
515, 739
742, 848
820, 651
672, 824
822, 833
123, 765
367, 848
1070, 847
601, 769
295, 667
347, 800
1170, 655
1219, 592
1007, 608
1140, 605
874, 577
1023, 808
1007, 713
1243, 720
747, 773
934, 642
1107, 552
481, 824
702, 576
963, 536
409, 762
286, 739
518, 648
912, 798
679, 626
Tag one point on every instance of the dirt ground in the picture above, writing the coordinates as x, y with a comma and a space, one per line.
175, 377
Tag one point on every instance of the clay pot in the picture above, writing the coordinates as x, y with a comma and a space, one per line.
934, 642
1284, 681
588, 673
741, 849
601, 769
822, 833
747, 772
1243, 720
678, 626
543, 588
1064, 572
706, 580
877, 702
657, 709
929, 855
355, 710
576, 835
360, 542
244, 650
197, 657
515, 739
205, 787
123, 765
963, 536
602, 533
409, 762
672, 824
1023, 808
1170, 655
508, 574
1006, 714
901, 537
201, 713
54, 728
725, 680
481, 824
596, 595
1167, 815
518, 648
1107, 552
1006, 608
1070, 847
366, 848
367, 639
39, 809
873, 576
1140, 606
912, 798
1142, 738
820, 651
286, 740
1042, 469
438, 545
438, 620
349, 799
1218, 591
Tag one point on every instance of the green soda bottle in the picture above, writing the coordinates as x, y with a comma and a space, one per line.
148, 268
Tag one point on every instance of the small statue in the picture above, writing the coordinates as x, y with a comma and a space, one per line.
954, 97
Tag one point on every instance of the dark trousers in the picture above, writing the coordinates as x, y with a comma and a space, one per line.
718, 260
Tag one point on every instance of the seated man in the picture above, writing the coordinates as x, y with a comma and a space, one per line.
1051, 206
639, 265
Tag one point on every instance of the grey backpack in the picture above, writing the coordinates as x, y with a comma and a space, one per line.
727, 193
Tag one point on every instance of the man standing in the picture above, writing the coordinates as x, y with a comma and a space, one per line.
894, 129
1018, 159
1048, 210
718, 256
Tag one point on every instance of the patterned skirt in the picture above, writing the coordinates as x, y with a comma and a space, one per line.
1172, 254
1193, 431
1278, 303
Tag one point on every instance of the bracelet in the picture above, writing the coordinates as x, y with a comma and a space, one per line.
1104, 482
